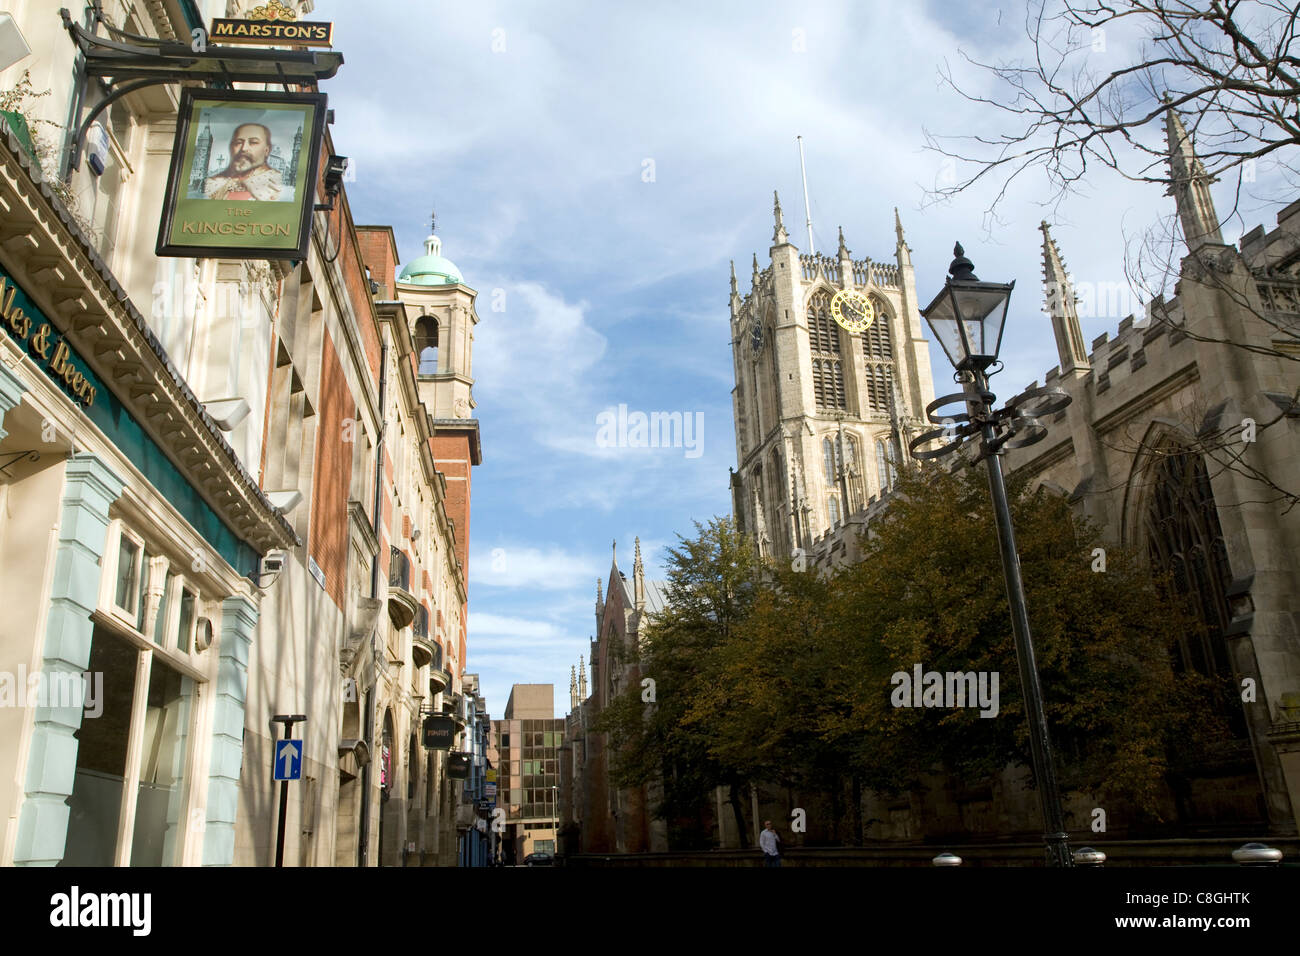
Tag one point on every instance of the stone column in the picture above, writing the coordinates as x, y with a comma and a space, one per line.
90, 487
238, 622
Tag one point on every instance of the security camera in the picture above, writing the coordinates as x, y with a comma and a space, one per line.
272, 563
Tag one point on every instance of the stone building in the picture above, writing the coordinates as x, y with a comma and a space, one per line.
606, 818
822, 415
1176, 428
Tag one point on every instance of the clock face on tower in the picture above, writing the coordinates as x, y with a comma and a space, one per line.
852, 310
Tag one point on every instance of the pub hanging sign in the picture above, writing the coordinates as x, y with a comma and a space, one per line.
242, 183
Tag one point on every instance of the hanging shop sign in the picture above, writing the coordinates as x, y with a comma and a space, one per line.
242, 183
458, 766
439, 733
272, 24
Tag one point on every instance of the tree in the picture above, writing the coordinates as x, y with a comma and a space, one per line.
929, 591
1103, 75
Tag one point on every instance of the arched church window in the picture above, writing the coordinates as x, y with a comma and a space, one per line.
885, 464
833, 510
878, 356
426, 344
1184, 538
828, 460
824, 340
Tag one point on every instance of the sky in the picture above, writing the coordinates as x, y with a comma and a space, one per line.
595, 167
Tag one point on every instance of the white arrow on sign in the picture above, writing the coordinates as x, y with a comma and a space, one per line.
288, 754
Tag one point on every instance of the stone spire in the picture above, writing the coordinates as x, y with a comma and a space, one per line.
638, 579
582, 678
1060, 305
901, 252
780, 237
844, 252
600, 601
753, 281
573, 688
735, 292
1189, 184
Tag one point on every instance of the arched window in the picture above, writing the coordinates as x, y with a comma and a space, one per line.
828, 461
878, 356
426, 344
833, 510
824, 340
885, 464
1184, 538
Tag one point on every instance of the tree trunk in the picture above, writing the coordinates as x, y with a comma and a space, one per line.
738, 809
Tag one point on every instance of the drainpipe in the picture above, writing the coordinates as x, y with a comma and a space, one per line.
363, 838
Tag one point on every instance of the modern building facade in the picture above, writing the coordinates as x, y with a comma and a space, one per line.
525, 751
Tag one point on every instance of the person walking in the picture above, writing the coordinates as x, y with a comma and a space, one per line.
769, 841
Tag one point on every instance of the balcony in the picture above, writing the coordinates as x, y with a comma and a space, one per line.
422, 646
453, 705
439, 679
401, 602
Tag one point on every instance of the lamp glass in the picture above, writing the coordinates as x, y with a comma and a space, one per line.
943, 320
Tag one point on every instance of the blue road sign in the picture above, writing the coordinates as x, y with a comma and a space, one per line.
288, 760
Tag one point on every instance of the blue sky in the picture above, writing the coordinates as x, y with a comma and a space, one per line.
529, 126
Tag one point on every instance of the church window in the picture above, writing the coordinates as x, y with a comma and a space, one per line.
885, 464
828, 460
824, 339
1184, 539
833, 510
878, 355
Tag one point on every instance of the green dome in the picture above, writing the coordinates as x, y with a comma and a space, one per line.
431, 268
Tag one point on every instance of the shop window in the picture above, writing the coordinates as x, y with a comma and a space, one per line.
156, 774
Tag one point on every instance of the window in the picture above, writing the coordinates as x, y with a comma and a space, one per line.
833, 509
1185, 539
130, 561
878, 364
885, 464
107, 768
824, 340
185, 622
828, 461
426, 344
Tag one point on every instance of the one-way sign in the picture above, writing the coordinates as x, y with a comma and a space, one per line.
288, 760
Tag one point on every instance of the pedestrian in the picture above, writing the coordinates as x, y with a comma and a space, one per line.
769, 841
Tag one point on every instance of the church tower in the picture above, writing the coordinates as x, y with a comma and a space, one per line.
823, 415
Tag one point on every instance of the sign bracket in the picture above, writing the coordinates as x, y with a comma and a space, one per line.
149, 61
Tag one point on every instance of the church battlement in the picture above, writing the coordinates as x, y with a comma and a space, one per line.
864, 271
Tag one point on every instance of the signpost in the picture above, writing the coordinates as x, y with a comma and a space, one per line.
286, 765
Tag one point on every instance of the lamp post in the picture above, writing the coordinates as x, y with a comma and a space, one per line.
968, 317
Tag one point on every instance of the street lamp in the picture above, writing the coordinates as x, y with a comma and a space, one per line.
968, 317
